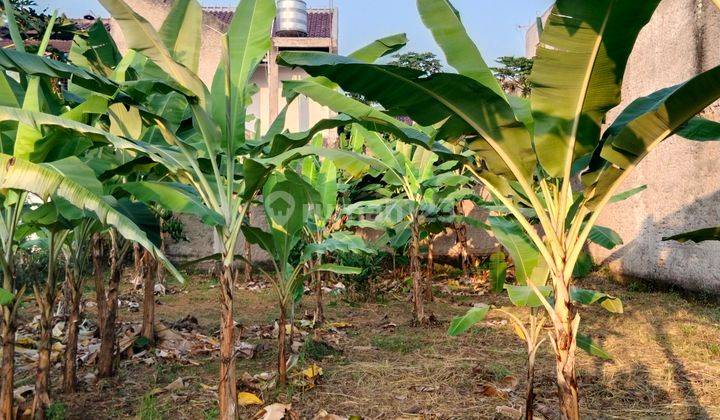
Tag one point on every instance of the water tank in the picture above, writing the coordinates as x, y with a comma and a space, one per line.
291, 18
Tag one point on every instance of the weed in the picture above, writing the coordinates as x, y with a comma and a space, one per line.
56, 411
148, 408
397, 343
211, 413
317, 350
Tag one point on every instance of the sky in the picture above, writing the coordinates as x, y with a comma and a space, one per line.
497, 26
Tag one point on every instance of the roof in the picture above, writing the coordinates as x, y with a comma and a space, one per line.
320, 21
62, 44
320, 25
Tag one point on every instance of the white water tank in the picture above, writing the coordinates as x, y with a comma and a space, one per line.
291, 18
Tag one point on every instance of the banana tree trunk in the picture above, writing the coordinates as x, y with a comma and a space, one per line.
282, 339
137, 259
8, 363
430, 268
148, 271
319, 317
416, 273
160, 275
461, 239
106, 357
99, 277
41, 401
71, 332
565, 345
227, 392
530, 388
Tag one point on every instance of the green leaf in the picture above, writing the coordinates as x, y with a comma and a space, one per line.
524, 296
181, 30
460, 324
327, 186
605, 237
522, 251
142, 37
697, 236
426, 100
95, 50
700, 129
174, 197
645, 123
259, 237
627, 194
460, 51
380, 48
77, 171
338, 269
248, 41
583, 266
371, 117
589, 297
33, 65
578, 72
498, 271
172, 159
19, 174
6, 297
585, 342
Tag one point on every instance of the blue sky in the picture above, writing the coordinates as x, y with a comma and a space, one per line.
498, 26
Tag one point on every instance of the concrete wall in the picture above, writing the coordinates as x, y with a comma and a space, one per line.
683, 178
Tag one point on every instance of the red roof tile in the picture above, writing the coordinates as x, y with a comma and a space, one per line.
320, 25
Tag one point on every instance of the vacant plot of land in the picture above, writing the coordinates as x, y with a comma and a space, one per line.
666, 350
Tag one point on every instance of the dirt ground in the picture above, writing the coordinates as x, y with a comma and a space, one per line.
666, 349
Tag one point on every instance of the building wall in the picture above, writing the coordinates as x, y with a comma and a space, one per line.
683, 178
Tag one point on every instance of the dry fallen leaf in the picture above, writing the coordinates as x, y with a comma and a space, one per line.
489, 390
324, 415
508, 383
248, 398
510, 412
177, 384
275, 411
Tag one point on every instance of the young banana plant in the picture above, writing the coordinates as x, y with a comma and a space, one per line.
414, 187
533, 150
288, 202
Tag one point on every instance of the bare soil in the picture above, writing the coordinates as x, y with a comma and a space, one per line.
665, 348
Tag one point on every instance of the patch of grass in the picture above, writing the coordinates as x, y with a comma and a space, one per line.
499, 371
149, 408
317, 350
713, 348
211, 413
56, 411
397, 343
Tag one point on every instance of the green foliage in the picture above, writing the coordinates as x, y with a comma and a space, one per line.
56, 411
463, 323
149, 409
514, 74
425, 62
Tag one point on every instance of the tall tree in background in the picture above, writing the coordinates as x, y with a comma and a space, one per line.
514, 74
425, 62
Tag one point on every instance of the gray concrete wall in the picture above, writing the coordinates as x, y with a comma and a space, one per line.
683, 178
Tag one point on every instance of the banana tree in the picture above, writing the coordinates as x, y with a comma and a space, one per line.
532, 151
415, 188
215, 159
288, 202
30, 144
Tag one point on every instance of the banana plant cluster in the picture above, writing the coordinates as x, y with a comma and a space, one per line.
530, 153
